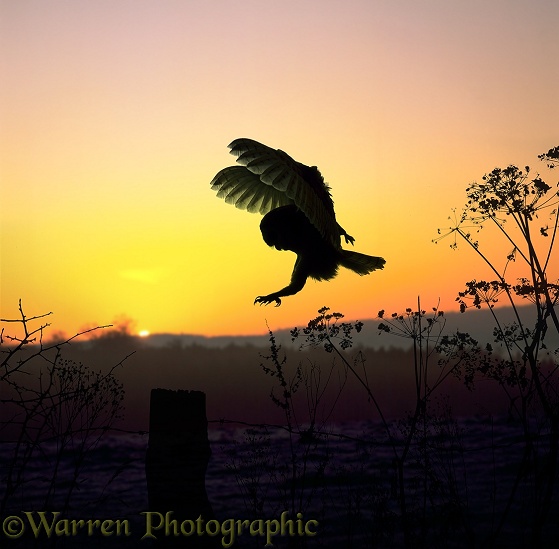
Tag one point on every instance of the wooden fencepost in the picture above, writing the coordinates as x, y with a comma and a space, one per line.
176, 463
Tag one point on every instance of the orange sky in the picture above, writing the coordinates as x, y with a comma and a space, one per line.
115, 116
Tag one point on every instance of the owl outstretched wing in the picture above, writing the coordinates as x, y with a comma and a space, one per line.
269, 178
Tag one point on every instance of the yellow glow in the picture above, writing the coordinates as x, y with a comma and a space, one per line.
143, 333
115, 117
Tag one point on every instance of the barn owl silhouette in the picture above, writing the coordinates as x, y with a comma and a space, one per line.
298, 213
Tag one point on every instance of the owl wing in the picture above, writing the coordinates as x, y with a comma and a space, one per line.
269, 178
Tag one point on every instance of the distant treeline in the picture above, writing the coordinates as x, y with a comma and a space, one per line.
238, 389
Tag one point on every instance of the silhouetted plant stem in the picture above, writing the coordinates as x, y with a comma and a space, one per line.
368, 391
52, 401
399, 459
552, 242
508, 192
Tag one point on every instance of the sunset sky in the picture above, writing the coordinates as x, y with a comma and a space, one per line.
115, 116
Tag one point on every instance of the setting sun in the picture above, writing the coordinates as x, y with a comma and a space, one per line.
143, 333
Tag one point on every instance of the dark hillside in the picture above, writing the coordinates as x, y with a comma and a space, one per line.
238, 389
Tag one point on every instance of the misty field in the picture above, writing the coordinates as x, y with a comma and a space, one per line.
344, 472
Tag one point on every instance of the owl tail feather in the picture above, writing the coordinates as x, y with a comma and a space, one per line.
360, 263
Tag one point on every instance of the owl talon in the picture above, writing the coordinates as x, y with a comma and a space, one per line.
267, 299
